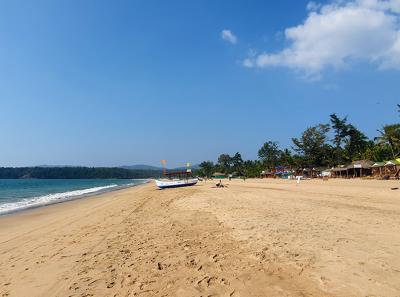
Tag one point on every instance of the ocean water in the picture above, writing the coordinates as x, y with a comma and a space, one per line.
20, 194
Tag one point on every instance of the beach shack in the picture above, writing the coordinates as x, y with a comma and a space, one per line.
378, 169
360, 168
267, 174
392, 168
283, 172
340, 171
304, 172
326, 172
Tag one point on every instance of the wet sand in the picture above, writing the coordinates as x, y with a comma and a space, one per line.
253, 238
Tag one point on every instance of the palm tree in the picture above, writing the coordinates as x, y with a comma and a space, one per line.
390, 135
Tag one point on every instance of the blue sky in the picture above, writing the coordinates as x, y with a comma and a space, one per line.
104, 83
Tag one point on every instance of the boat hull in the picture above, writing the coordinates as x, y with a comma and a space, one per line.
165, 184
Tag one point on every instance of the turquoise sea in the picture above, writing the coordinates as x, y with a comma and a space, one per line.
20, 194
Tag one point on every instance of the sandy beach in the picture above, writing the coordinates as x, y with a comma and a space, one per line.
253, 238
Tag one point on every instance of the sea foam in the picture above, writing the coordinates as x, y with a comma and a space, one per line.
32, 202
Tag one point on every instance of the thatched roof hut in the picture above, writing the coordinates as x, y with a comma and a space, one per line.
378, 169
393, 162
360, 168
357, 168
339, 171
392, 168
378, 164
363, 164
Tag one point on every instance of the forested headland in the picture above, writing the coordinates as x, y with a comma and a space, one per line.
75, 172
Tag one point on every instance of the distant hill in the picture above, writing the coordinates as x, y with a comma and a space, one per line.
56, 166
155, 168
194, 167
142, 167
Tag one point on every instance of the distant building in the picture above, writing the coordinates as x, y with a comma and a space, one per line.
326, 172
378, 169
392, 168
359, 168
283, 172
219, 175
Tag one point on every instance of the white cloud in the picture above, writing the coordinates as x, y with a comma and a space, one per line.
227, 35
337, 34
248, 63
313, 6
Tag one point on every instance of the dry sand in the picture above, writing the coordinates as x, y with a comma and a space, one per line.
254, 238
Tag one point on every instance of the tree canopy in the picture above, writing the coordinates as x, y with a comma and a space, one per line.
323, 145
75, 172
269, 154
313, 146
390, 136
207, 168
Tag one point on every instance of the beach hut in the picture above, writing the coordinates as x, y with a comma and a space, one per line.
267, 174
360, 168
392, 168
307, 172
326, 172
283, 172
340, 171
298, 172
378, 169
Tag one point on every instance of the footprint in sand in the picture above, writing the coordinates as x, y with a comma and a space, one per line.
93, 282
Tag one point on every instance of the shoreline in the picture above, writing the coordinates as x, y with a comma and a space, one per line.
52, 211
72, 198
253, 238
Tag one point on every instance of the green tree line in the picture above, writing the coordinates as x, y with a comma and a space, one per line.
324, 145
75, 172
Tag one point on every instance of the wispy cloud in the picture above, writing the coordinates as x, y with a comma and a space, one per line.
337, 34
228, 35
313, 6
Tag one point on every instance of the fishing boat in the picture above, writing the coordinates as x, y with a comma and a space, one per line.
177, 179
175, 183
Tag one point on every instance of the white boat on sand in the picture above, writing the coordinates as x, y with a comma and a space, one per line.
175, 183
175, 179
